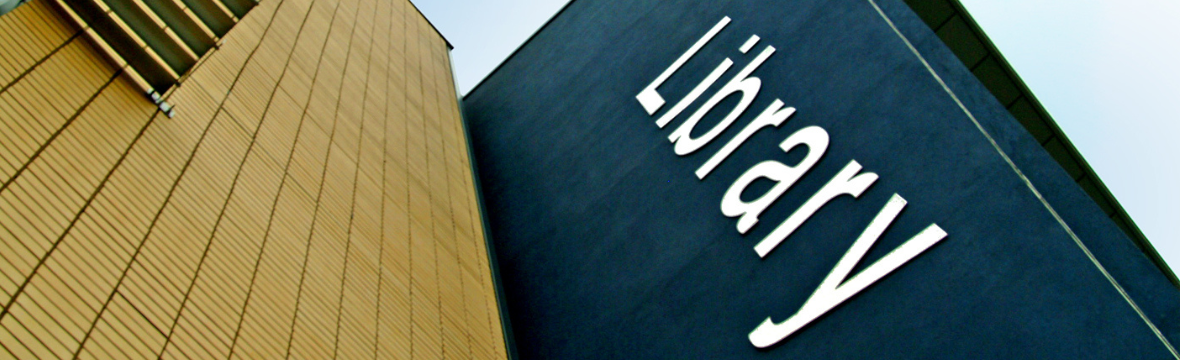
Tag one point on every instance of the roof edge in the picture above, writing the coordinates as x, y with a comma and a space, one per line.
1132, 230
436, 31
518, 48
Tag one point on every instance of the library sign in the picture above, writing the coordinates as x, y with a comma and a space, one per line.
837, 286
785, 180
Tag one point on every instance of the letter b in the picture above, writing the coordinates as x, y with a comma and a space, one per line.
744, 83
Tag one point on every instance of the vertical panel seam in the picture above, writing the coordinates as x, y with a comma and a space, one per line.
384, 181
323, 176
440, 94
45, 144
233, 187
38, 63
282, 183
41, 262
409, 216
429, 185
311, 230
139, 247
355, 172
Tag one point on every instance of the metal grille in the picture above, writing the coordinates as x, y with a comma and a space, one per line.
159, 40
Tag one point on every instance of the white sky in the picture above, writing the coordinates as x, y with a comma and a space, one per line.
1106, 71
1103, 69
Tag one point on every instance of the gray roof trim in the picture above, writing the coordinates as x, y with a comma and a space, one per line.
958, 30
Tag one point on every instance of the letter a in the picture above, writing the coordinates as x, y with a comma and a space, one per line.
846, 182
816, 140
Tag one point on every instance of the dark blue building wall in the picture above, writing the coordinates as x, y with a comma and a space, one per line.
610, 247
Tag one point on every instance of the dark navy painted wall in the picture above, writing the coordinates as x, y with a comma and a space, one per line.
610, 247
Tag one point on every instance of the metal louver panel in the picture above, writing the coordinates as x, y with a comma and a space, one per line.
213, 16
170, 49
186, 26
159, 39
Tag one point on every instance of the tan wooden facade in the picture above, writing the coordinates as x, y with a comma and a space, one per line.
312, 197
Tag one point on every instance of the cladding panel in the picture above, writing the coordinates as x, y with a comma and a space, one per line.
293, 206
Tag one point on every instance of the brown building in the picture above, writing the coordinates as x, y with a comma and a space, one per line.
218, 178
